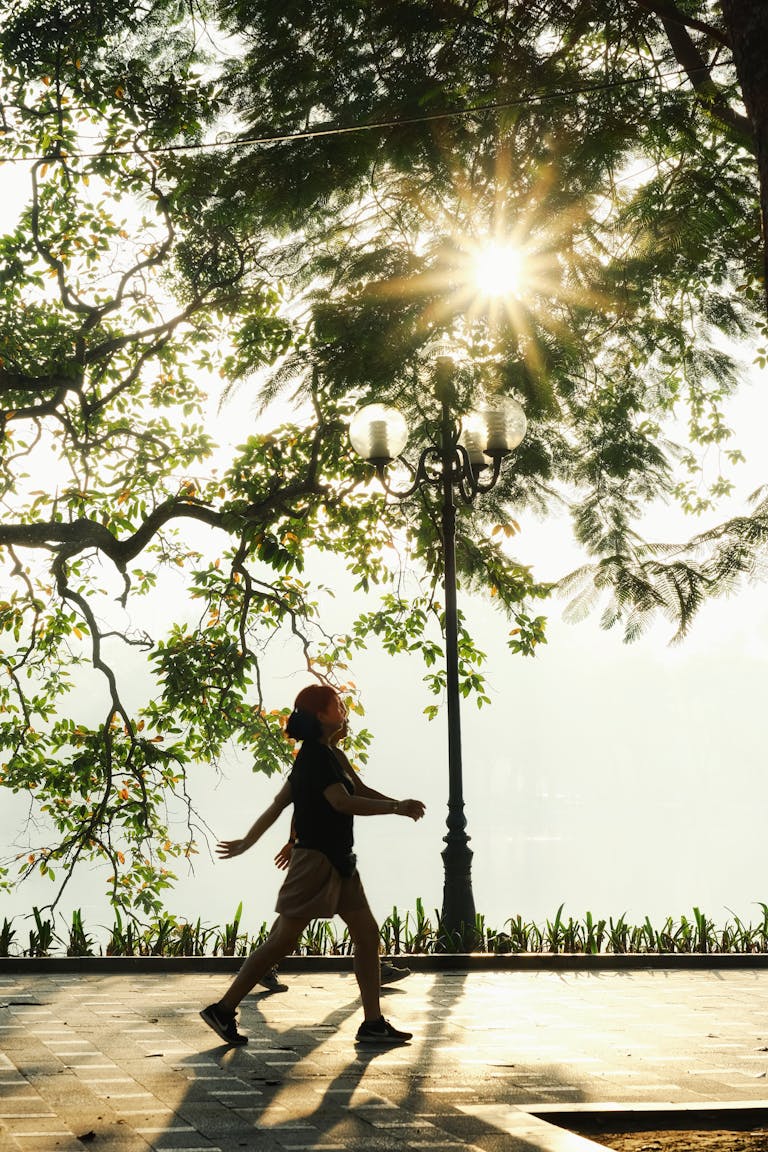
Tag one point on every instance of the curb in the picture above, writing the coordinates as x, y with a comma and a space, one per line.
441, 962
633, 1112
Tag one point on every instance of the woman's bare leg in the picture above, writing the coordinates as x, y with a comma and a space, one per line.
281, 940
365, 936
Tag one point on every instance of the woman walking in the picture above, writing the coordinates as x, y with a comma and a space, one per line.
322, 879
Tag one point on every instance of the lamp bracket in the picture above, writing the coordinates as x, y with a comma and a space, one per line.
429, 471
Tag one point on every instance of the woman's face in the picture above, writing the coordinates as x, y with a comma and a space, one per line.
334, 717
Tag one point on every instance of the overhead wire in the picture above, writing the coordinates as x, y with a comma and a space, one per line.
242, 141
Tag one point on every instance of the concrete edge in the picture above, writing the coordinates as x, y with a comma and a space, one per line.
527, 1132
440, 962
615, 1109
555, 1127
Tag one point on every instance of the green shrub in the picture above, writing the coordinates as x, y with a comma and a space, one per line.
411, 934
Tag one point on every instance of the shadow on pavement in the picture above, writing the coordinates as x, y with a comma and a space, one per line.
295, 1082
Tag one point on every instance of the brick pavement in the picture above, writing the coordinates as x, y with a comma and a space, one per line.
124, 1062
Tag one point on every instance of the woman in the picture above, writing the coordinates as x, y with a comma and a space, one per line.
322, 878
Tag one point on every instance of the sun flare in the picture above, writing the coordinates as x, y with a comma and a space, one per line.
499, 270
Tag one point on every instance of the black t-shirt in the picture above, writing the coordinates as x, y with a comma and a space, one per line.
318, 824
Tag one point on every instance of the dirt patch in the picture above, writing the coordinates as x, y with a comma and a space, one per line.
720, 1140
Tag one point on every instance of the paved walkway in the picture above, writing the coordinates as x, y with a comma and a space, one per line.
124, 1062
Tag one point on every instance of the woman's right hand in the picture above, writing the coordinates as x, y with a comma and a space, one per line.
226, 849
412, 808
283, 857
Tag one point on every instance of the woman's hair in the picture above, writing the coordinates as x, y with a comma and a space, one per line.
303, 723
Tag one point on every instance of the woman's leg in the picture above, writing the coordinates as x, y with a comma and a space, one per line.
281, 940
365, 936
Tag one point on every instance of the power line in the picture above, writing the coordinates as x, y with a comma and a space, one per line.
369, 126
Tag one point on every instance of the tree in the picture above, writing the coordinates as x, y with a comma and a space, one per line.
145, 269
120, 299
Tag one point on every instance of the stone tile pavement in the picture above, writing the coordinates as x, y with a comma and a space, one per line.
123, 1062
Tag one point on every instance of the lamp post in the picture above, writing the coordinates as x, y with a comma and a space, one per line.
464, 462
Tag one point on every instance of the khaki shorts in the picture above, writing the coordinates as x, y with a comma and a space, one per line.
314, 890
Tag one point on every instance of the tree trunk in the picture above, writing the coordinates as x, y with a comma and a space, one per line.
747, 22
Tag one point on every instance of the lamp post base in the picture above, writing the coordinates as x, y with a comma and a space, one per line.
458, 916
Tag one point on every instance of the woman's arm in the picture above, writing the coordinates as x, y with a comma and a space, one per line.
364, 805
229, 848
361, 788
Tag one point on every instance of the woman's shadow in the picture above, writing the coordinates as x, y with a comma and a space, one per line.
238, 1095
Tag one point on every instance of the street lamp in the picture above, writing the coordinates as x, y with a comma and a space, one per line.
465, 460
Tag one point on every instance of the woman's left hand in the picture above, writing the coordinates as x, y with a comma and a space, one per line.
283, 857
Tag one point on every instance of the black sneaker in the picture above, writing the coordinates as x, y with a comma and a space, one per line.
270, 980
381, 1032
223, 1023
390, 972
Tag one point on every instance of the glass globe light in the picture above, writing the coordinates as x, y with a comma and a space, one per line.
505, 425
378, 433
474, 436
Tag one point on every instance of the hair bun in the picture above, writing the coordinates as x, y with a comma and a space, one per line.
303, 725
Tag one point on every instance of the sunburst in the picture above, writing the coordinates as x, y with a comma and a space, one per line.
499, 270
492, 262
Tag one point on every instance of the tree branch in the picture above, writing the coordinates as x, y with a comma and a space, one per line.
669, 11
20, 382
83, 533
687, 54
